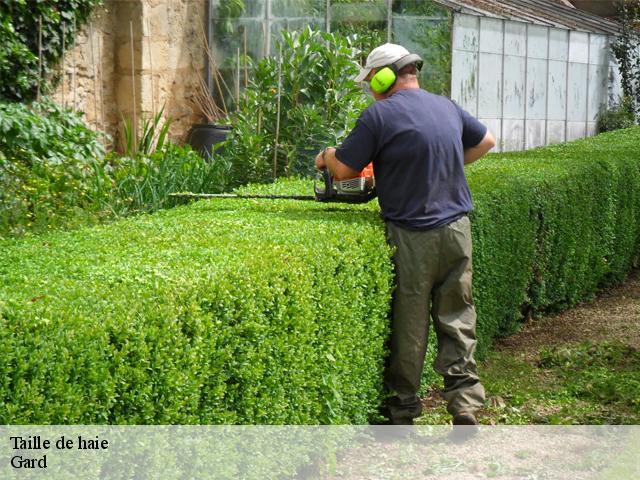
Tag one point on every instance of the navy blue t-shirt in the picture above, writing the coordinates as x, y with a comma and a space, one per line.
416, 141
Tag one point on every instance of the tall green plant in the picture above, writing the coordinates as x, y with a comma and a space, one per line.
626, 49
319, 103
46, 167
143, 182
147, 137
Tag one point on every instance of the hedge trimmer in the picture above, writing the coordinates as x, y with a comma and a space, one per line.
359, 189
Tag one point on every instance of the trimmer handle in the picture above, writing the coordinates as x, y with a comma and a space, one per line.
326, 193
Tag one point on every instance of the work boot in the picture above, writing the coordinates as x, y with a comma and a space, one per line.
465, 427
465, 418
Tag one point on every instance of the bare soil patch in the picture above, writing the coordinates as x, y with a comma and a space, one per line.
613, 316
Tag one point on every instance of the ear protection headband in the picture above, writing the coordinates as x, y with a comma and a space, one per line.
386, 77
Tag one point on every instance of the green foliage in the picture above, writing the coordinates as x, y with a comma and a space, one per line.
220, 312
626, 51
54, 173
20, 29
46, 168
227, 12
147, 137
17, 62
317, 108
552, 225
248, 311
142, 182
620, 116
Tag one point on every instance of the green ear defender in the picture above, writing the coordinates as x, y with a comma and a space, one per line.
383, 80
386, 77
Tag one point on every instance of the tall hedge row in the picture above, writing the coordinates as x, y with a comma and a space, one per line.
552, 225
276, 312
219, 312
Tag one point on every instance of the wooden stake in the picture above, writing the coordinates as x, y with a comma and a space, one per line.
101, 85
238, 79
275, 146
95, 77
134, 126
246, 67
64, 34
153, 96
39, 58
73, 66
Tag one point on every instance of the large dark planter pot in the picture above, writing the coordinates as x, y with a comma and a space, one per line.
204, 137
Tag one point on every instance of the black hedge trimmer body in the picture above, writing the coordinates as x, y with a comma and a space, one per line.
360, 189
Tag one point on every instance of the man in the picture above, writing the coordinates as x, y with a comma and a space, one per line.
419, 144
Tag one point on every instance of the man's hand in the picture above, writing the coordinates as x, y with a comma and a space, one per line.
321, 161
339, 171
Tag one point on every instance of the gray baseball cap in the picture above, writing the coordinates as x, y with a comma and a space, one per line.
381, 56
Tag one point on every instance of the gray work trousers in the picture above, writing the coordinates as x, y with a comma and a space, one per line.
433, 279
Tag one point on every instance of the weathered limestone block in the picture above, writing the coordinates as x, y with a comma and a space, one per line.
168, 59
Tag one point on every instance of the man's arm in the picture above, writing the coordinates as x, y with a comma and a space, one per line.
327, 159
474, 153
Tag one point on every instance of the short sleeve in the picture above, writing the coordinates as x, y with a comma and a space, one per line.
472, 130
358, 148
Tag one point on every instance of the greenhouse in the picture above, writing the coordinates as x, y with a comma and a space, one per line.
550, 67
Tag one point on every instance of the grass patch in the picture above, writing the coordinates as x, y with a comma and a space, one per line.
579, 384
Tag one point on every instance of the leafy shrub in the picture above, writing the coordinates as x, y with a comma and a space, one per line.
317, 108
617, 117
46, 168
247, 311
224, 311
19, 30
18, 64
54, 172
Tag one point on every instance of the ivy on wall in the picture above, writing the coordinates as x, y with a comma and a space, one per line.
32, 33
627, 52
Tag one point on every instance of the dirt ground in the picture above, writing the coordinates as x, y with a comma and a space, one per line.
614, 315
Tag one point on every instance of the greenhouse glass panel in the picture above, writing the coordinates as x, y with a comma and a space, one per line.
236, 36
558, 44
294, 15
364, 20
491, 35
424, 27
299, 9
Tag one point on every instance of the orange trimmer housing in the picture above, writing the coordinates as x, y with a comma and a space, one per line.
359, 189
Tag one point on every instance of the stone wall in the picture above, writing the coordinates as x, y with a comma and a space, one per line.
107, 79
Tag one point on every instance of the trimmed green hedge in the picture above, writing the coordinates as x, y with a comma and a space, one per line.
552, 225
276, 312
219, 312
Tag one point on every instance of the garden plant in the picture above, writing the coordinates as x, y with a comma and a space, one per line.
242, 311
